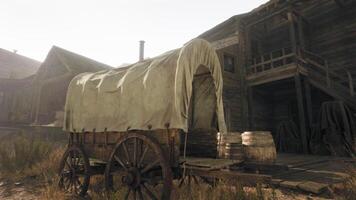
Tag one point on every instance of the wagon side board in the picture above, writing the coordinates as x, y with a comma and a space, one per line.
98, 146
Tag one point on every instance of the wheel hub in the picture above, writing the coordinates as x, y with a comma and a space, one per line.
132, 178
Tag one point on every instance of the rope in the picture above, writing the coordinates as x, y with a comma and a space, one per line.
185, 153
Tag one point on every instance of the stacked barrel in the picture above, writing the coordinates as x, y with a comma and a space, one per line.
259, 147
230, 146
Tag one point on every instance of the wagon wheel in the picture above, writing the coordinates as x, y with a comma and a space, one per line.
138, 167
74, 171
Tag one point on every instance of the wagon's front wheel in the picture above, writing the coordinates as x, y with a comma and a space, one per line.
138, 169
74, 171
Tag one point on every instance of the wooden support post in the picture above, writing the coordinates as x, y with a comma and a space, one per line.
254, 64
308, 101
327, 74
250, 107
245, 50
38, 103
248, 47
283, 54
292, 34
301, 32
351, 84
302, 126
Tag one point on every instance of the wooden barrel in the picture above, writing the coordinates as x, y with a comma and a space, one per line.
258, 146
230, 146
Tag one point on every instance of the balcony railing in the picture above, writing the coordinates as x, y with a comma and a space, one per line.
314, 63
272, 60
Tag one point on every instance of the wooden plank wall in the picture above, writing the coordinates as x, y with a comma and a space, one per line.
332, 34
232, 91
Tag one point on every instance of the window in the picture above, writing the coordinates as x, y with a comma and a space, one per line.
229, 63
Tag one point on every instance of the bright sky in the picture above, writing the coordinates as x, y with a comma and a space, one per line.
109, 30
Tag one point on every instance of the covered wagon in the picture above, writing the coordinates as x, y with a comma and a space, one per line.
127, 123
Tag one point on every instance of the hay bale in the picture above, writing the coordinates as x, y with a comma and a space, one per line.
258, 146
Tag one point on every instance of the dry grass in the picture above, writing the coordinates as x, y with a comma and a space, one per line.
347, 190
32, 158
21, 153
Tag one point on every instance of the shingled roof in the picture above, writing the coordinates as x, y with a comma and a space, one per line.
16, 66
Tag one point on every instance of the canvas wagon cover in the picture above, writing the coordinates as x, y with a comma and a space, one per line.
152, 94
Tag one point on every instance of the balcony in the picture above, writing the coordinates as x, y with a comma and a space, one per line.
276, 65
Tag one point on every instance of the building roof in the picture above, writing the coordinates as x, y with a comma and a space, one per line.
225, 29
76, 62
16, 66
68, 62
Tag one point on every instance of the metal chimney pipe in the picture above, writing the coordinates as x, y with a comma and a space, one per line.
142, 50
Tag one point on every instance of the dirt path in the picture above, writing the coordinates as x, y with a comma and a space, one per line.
26, 190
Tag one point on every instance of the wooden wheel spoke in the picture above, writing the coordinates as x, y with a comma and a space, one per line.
77, 160
140, 195
75, 186
68, 163
120, 162
138, 148
135, 153
195, 180
181, 182
126, 152
149, 192
134, 194
74, 171
128, 194
79, 183
149, 166
143, 155
66, 183
72, 159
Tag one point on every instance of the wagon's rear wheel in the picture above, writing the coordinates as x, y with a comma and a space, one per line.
74, 171
138, 169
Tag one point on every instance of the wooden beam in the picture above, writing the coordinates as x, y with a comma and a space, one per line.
308, 102
302, 125
229, 41
301, 32
231, 176
250, 108
340, 3
351, 84
292, 34
268, 17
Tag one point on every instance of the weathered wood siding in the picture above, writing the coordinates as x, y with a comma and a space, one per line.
232, 90
332, 31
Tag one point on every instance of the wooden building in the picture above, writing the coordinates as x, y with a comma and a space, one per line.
51, 82
16, 74
38, 96
284, 59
